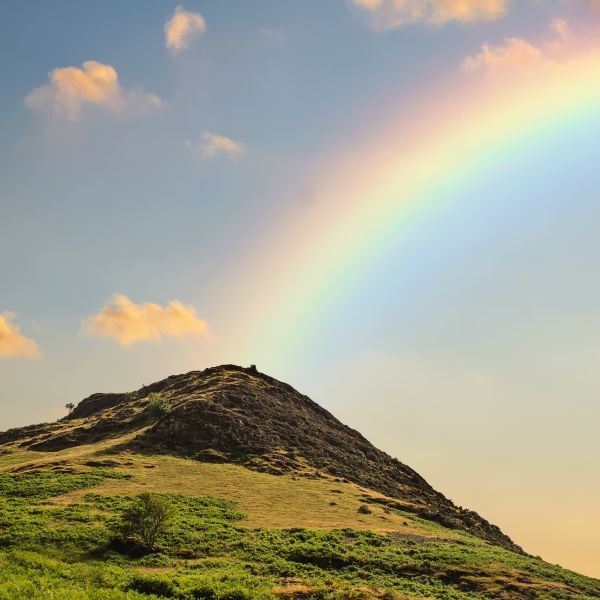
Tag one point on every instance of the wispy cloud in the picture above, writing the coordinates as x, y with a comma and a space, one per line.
274, 36
512, 53
128, 323
95, 84
516, 54
181, 29
389, 14
13, 343
212, 144
561, 28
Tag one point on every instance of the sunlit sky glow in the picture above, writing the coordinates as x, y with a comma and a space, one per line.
393, 207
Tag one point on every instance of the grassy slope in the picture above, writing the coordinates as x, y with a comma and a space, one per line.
239, 416
284, 536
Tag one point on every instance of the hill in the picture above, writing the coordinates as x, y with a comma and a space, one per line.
274, 497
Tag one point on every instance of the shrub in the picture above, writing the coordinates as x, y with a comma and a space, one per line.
158, 406
237, 594
147, 519
159, 586
204, 592
364, 510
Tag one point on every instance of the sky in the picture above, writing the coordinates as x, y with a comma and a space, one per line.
390, 205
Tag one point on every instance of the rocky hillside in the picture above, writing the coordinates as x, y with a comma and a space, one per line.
235, 415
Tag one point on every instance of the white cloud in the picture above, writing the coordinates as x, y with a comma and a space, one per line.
212, 144
96, 84
181, 29
518, 54
389, 14
513, 53
13, 343
128, 323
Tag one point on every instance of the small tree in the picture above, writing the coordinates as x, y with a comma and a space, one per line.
147, 519
69, 406
157, 405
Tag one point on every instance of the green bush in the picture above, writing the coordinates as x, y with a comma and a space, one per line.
204, 592
238, 594
158, 406
159, 586
147, 519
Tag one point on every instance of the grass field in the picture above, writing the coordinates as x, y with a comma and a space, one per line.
237, 534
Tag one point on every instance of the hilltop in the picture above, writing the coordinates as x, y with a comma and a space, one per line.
300, 504
234, 415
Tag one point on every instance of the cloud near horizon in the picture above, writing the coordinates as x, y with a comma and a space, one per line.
181, 29
390, 14
128, 323
518, 54
213, 144
13, 343
96, 84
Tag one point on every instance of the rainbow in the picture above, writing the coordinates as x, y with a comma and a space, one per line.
413, 163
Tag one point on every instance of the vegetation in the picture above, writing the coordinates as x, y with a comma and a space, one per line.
87, 510
60, 539
147, 519
158, 406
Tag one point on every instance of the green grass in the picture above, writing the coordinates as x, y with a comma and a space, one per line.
268, 501
48, 484
53, 549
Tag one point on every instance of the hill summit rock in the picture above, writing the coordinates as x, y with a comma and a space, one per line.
239, 415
